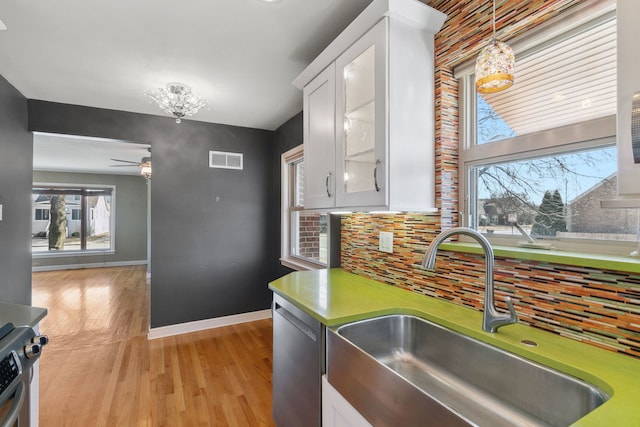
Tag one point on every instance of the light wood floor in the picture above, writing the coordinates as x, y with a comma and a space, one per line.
100, 370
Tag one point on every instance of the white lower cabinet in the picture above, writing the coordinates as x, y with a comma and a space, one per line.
336, 411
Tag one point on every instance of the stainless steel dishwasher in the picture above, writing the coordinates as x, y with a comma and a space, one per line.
298, 365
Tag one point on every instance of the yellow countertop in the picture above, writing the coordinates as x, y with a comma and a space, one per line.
336, 297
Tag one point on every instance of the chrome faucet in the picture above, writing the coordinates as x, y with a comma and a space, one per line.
492, 319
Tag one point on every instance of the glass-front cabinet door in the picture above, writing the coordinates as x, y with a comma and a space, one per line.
359, 120
361, 176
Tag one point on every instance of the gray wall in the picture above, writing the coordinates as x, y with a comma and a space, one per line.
210, 228
16, 160
130, 216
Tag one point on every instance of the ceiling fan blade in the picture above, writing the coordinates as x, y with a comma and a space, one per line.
125, 161
123, 166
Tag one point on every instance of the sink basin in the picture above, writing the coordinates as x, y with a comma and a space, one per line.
404, 370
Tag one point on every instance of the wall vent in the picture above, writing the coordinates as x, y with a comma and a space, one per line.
225, 160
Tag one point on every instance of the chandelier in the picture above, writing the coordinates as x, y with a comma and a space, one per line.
177, 100
495, 64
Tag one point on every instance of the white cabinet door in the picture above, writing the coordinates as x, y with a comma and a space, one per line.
319, 140
361, 131
336, 411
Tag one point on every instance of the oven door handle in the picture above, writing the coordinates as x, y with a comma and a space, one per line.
14, 412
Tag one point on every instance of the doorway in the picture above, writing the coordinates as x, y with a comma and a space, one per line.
101, 215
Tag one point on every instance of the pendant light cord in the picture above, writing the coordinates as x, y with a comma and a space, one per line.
494, 19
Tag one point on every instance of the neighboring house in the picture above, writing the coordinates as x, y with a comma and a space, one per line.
495, 211
584, 214
489, 213
100, 217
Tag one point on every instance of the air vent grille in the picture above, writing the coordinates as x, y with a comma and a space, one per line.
225, 160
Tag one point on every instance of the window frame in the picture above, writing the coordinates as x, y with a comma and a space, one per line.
600, 132
112, 221
44, 213
287, 182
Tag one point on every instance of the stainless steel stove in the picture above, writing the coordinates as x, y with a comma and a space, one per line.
20, 347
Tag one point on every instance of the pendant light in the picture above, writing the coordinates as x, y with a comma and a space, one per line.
495, 64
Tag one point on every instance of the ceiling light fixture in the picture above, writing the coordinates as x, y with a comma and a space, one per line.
177, 100
495, 64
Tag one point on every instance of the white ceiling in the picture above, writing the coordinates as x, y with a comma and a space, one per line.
240, 55
63, 153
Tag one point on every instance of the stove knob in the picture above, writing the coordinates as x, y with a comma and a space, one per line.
32, 350
40, 339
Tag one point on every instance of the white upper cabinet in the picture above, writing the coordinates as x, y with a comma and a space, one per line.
360, 121
319, 135
369, 112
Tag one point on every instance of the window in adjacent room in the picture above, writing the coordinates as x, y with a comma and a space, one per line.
72, 219
542, 154
304, 232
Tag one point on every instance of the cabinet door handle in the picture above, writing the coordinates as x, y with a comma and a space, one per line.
375, 175
326, 184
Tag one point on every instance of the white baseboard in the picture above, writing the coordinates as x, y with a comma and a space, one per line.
87, 265
201, 325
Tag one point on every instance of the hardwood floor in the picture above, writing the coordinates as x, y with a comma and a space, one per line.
100, 370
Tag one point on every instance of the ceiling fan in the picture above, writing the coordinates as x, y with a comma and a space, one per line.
144, 164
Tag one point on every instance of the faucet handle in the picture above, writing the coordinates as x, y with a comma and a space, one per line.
514, 316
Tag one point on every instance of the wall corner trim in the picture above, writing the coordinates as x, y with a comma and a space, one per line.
201, 325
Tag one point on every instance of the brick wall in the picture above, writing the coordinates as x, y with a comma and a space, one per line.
309, 235
585, 214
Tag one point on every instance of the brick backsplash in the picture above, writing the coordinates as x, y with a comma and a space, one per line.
599, 307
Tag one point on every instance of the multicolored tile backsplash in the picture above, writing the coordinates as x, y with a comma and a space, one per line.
599, 307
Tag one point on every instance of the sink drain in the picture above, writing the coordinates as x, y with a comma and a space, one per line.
529, 343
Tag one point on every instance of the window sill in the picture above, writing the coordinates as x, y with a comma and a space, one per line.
70, 254
300, 265
617, 263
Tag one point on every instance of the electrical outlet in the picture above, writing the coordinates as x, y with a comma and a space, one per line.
385, 242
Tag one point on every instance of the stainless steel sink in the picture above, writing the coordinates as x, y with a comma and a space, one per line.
404, 370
